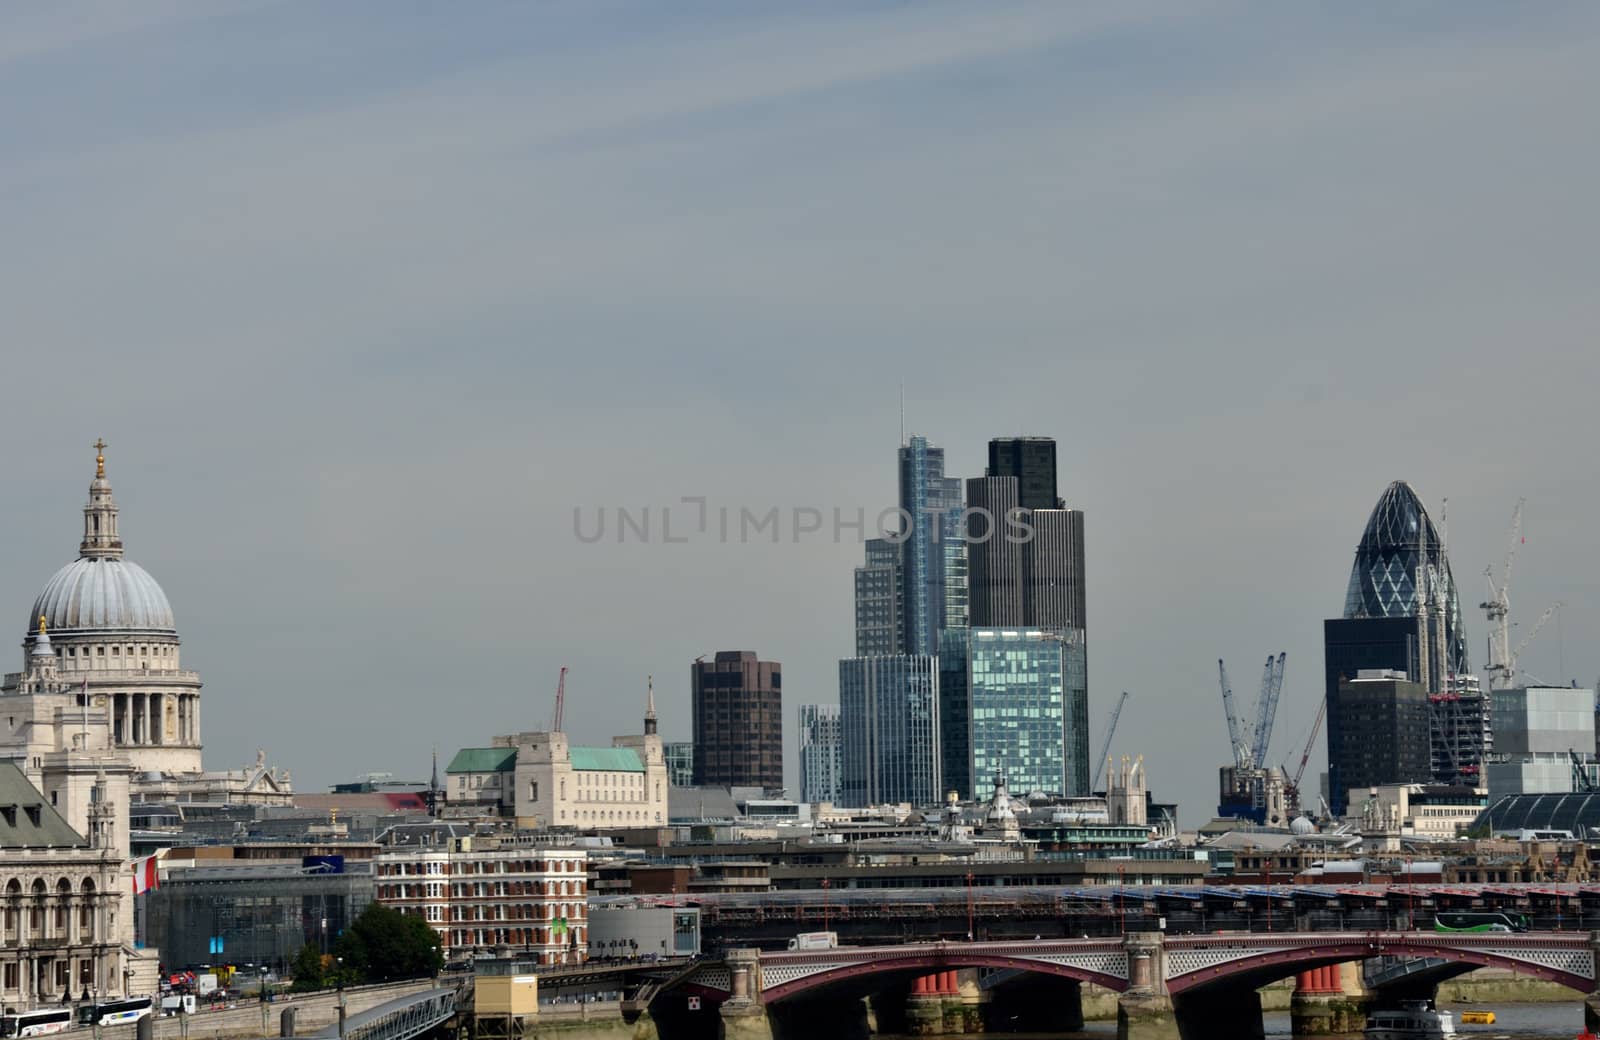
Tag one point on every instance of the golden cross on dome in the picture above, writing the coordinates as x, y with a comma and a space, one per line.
100, 456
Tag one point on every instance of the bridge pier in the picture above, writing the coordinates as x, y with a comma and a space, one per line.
1328, 1001
945, 1003
743, 1016
1145, 1011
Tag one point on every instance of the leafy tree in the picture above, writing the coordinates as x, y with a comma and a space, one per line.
308, 971
385, 944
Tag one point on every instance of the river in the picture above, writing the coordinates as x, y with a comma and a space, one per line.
1522, 1021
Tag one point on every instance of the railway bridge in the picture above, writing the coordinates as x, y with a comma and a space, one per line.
1168, 986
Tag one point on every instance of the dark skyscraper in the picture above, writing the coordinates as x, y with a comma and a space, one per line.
1401, 614
737, 703
1032, 460
1383, 738
1015, 578
1025, 570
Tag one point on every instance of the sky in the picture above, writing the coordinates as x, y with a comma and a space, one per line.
371, 300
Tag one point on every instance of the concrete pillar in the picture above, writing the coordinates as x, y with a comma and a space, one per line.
1147, 1016
1331, 1000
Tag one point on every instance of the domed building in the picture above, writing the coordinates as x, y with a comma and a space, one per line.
103, 671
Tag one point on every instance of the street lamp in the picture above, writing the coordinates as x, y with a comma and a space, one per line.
969, 906
1122, 906
338, 981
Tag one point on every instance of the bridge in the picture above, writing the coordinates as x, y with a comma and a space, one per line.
1163, 981
402, 1019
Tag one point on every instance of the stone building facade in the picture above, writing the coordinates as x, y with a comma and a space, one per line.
480, 893
103, 673
66, 928
542, 780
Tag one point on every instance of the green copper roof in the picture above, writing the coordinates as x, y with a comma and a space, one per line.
483, 760
609, 759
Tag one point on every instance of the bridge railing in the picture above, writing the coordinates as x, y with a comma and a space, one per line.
398, 1019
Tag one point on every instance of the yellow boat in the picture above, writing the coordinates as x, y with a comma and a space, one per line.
1477, 1018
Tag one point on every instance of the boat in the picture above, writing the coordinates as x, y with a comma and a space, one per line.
1412, 1020
1477, 1018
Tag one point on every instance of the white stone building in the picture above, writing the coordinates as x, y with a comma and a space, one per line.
541, 780
66, 928
102, 672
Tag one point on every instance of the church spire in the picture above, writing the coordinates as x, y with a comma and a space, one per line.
649, 706
101, 540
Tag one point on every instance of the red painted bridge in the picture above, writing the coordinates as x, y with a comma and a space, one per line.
1141, 961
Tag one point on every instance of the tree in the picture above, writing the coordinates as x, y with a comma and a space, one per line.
385, 944
308, 971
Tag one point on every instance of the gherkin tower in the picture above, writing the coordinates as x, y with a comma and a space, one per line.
1401, 554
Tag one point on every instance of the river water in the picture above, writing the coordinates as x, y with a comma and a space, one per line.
1522, 1021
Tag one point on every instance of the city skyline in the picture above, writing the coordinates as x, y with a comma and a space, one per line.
360, 347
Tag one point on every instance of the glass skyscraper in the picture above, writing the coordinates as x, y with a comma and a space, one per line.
1402, 614
1401, 569
1016, 700
889, 730
933, 546
819, 753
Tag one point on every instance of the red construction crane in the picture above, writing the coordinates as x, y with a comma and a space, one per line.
561, 699
1305, 756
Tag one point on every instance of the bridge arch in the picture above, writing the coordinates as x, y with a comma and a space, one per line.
1192, 964
788, 975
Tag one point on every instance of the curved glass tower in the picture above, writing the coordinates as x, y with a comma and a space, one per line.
1401, 552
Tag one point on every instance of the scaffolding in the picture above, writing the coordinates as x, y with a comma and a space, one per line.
1460, 737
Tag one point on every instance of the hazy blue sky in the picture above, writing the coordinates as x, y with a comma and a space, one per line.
367, 298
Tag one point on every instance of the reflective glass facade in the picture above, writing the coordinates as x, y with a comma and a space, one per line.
889, 730
819, 753
880, 615
680, 762
1400, 551
1027, 708
933, 502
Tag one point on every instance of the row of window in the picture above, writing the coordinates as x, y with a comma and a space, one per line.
500, 912
496, 866
483, 890
61, 974
117, 651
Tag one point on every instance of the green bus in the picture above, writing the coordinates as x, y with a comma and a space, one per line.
1480, 921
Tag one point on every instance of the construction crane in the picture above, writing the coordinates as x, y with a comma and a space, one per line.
1266, 709
1236, 739
1516, 653
561, 700
1305, 756
1497, 609
1105, 750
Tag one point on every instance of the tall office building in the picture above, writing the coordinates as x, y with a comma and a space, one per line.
1032, 461
880, 602
1014, 699
1384, 736
1402, 614
1025, 569
738, 720
889, 730
819, 753
932, 545
1025, 563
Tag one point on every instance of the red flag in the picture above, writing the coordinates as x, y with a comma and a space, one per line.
144, 875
